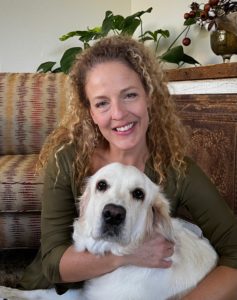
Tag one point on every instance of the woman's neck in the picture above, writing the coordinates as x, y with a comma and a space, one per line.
135, 157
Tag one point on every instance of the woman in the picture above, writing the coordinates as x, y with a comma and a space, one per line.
120, 110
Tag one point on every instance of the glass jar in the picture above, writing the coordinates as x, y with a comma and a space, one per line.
223, 43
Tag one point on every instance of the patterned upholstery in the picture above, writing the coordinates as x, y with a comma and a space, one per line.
31, 105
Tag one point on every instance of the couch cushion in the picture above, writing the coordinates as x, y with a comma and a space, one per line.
20, 230
20, 205
20, 187
31, 105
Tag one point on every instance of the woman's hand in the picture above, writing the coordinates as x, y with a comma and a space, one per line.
154, 253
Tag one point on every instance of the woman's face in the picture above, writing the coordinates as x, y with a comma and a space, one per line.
118, 105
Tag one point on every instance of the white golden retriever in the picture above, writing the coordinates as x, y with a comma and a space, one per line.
121, 207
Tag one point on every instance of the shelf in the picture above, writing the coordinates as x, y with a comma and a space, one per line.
217, 71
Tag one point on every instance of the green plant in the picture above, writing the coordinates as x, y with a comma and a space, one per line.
119, 25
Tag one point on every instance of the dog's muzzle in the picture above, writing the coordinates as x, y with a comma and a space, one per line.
113, 218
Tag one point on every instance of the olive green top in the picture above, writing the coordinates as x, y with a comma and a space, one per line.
195, 192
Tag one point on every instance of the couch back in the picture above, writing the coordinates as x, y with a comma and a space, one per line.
31, 105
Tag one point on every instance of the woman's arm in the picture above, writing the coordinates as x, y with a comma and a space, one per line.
79, 266
219, 225
220, 284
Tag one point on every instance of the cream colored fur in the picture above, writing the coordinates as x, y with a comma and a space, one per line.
193, 257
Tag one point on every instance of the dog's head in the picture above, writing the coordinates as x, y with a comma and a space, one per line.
122, 206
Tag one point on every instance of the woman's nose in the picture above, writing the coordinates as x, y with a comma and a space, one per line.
118, 110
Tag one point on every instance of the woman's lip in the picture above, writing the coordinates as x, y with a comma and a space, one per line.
124, 128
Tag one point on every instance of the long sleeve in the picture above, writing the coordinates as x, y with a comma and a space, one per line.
59, 208
58, 212
209, 211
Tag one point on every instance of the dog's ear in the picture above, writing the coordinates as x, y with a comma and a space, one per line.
161, 217
84, 199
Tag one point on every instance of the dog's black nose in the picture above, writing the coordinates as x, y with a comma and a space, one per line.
113, 214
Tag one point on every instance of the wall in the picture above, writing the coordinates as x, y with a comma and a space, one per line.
29, 29
168, 14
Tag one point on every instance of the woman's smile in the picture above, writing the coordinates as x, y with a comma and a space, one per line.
125, 129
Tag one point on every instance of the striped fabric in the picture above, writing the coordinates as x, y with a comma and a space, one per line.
20, 187
31, 105
19, 230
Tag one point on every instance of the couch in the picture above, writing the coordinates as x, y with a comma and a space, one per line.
32, 104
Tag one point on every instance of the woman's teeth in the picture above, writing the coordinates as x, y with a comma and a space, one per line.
125, 128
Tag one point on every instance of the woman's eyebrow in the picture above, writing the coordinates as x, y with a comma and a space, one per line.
128, 88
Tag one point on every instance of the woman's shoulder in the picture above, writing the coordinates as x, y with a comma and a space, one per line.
194, 170
62, 157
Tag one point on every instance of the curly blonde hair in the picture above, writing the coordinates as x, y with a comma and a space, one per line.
166, 136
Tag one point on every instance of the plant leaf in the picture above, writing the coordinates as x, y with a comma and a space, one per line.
176, 55
84, 35
189, 22
112, 22
131, 22
173, 55
118, 22
68, 58
91, 34
69, 35
46, 67
190, 60
57, 70
140, 13
130, 26
107, 23
164, 33
153, 35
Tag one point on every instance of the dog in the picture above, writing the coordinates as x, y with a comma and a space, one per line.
120, 208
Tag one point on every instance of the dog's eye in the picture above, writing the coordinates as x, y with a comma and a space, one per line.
101, 185
138, 194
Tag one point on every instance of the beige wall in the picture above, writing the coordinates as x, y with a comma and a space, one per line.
29, 29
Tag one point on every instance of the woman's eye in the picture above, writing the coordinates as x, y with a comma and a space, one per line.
101, 104
131, 95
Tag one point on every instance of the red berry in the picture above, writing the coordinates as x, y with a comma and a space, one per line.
192, 14
186, 41
213, 2
207, 7
203, 15
186, 16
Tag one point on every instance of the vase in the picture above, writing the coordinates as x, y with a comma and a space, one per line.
223, 43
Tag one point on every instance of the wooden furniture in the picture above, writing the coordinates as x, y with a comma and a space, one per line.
206, 98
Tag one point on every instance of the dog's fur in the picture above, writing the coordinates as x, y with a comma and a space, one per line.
119, 208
